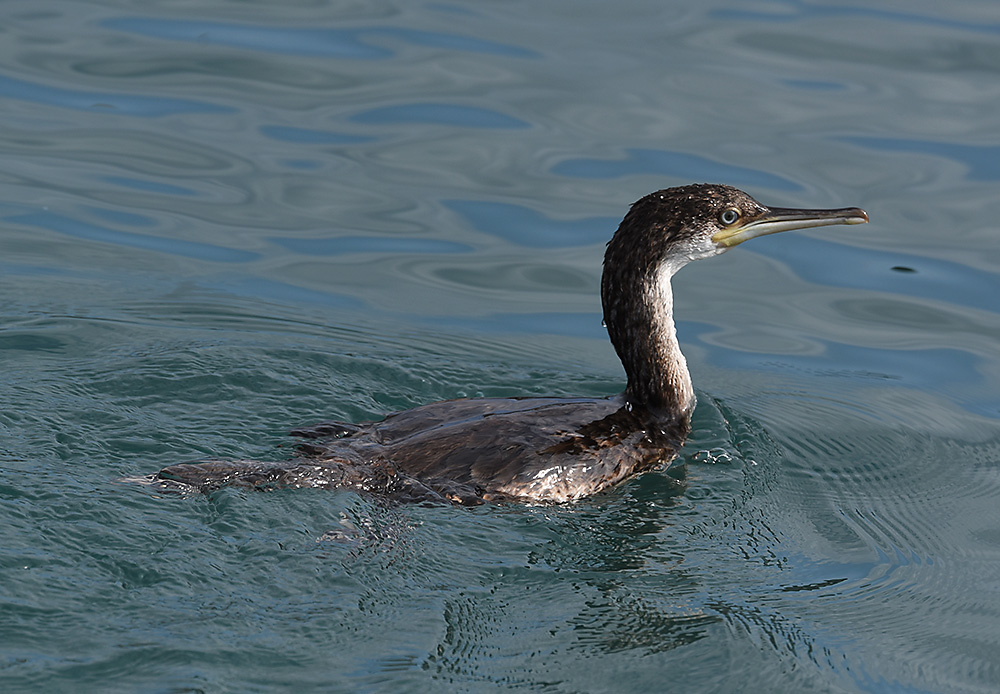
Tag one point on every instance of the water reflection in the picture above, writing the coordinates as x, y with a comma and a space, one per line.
529, 228
672, 166
360, 43
634, 575
309, 136
797, 11
827, 262
162, 244
982, 161
121, 103
147, 186
370, 244
325, 210
439, 114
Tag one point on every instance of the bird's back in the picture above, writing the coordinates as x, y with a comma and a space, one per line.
465, 451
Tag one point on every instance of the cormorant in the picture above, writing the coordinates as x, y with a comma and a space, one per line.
544, 449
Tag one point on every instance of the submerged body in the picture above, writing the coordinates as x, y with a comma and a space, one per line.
544, 449
465, 451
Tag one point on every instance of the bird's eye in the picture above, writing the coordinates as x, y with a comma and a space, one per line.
729, 216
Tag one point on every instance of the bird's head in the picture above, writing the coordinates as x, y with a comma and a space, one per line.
661, 233
672, 227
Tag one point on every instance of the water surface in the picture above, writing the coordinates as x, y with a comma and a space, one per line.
218, 222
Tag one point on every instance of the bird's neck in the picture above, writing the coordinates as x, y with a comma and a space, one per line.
642, 330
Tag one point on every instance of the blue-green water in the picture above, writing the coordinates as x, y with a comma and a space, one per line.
222, 220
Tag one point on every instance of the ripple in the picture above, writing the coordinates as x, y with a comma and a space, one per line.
675, 165
354, 43
982, 161
831, 525
30, 342
875, 513
514, 277
529, 228
370, 244
816, 85
917, 368
148, 186
257, 289
110, 102
585, 325
791, 11
164, 155
308, 136
439, 114
93, 232
892, 535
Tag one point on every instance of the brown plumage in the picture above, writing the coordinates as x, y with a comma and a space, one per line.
543, 449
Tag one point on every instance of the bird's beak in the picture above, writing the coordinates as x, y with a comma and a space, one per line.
777, 219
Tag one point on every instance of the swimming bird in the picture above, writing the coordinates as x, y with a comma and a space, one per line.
544, 449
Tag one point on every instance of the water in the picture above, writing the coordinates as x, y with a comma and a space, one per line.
221, 221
